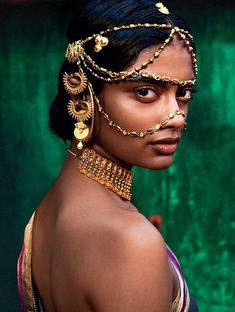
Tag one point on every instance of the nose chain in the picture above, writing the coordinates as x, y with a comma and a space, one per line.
143, 133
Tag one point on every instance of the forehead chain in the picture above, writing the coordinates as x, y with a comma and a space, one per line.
76, 54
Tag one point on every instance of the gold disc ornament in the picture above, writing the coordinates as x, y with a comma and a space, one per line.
81, 133
75, 83
80, 110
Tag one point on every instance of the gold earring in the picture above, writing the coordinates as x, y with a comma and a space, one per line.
82, 110
75, 83
100, 43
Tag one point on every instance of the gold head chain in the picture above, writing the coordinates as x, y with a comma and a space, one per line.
76, 53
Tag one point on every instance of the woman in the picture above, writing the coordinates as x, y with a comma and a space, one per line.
122, 100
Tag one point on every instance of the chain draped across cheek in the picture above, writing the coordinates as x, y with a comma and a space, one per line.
142, 133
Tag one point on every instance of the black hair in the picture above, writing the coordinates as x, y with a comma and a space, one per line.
123, 49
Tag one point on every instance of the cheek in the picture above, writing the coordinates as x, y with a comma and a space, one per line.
113, 141
128, 149
129, 114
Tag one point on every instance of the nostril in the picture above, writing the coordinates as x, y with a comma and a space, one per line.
178, 112
173, 120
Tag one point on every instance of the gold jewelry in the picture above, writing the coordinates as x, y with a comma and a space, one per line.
72, 153
81, 133
161, 8
173, 81
106, 173
100, 43
75, 83
142, 133
76, 52
82, 110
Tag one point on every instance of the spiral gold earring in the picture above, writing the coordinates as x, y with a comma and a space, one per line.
80, 110
75, 83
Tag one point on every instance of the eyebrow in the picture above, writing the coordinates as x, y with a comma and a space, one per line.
148, 80
151, 80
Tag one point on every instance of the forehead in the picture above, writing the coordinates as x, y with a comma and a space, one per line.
174, 61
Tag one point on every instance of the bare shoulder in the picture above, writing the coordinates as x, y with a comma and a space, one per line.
135, 242
133, 234
126, 267
113, 232
108, 256
139, 231
113, 235
115, 258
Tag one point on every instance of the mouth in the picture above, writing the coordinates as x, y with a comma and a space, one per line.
165, 146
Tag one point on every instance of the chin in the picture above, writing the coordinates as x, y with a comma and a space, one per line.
159, 163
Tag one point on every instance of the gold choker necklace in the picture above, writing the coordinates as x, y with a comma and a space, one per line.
106, 173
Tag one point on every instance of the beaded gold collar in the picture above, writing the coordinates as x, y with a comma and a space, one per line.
106, 173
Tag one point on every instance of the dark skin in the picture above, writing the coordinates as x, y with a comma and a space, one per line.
92, 250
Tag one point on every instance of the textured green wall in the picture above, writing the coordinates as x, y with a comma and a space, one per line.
196, 196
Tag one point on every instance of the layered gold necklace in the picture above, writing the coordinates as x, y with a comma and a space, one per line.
106, 173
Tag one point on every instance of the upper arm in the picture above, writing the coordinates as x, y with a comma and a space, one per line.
132, 274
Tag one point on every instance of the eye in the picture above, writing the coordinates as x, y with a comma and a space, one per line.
146, 94
184, 95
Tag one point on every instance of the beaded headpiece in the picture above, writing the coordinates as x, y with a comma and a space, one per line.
76, 54
77, 83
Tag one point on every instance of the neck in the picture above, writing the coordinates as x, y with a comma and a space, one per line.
103, 153
105, 170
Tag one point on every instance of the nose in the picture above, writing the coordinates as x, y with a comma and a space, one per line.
175, 117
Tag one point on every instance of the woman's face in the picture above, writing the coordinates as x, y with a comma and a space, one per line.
139, 105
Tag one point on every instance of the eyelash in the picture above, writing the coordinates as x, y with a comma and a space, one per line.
150, 88
142, 88
191, 90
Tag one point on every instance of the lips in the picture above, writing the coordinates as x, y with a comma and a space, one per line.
168, 140
165, 146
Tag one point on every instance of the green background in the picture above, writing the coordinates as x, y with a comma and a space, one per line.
196, 196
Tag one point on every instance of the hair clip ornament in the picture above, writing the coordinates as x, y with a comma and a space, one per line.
100, 43
161, 8
74, 51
